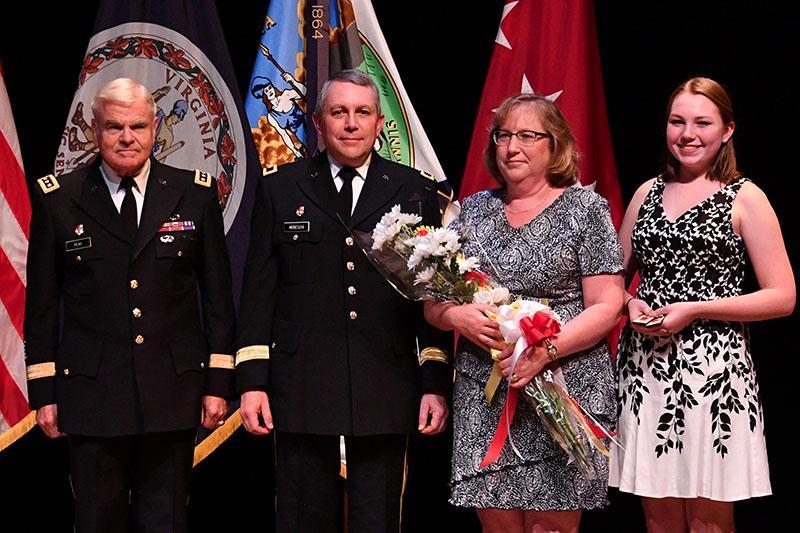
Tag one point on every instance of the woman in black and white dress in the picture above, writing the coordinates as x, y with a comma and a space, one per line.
690, 417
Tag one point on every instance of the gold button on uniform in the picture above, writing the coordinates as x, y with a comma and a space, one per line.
139, 339
134, 284
350, 265
349, 241
295, 237
353, 315
180, 253
202, 365
351, 290
66, 371
77, 258
137, 312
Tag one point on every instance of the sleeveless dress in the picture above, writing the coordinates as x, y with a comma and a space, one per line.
546, 258
690, 417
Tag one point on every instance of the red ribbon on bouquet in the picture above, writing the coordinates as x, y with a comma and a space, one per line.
539, 327
536, 329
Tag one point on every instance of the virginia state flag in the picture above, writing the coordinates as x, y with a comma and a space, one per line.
177, 50
550, 47
276, 98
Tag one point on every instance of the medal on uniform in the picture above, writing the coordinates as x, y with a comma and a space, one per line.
79, 229
177, 225
167, 238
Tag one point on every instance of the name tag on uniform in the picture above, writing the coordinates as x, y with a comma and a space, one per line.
78, 244
297, 227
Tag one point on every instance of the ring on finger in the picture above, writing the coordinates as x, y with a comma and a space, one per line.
514, 376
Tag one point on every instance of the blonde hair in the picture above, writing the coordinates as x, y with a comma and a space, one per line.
563, 169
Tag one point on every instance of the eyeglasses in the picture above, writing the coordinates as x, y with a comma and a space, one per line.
524, 137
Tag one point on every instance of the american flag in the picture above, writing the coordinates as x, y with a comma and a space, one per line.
15, 214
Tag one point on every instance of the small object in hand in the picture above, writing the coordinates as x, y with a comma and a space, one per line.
647, 321
514, 376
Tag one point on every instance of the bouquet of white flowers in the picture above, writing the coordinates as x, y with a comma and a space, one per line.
423, 262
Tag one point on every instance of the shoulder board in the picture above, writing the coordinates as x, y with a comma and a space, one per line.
272, 169
48, 183
427, 176
202, 178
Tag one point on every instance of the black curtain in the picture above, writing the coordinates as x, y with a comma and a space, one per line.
442, 50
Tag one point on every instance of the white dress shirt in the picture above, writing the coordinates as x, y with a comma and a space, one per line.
358, 180
114, 184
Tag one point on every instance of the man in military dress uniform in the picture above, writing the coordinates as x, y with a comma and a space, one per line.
122, 355
326, 347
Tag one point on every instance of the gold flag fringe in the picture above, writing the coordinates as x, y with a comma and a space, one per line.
18, 430
217, 437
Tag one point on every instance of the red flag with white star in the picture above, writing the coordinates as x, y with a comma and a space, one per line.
550, 47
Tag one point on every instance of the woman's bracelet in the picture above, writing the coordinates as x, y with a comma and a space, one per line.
628, 301
552, 351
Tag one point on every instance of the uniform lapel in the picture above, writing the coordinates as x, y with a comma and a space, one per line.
319, 186
95, 200
160, 198
379, 188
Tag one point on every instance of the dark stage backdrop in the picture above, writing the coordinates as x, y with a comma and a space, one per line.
442, 51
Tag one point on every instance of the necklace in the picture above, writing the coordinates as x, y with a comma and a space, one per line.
528, 210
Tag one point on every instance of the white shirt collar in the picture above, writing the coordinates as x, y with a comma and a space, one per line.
113, 180
336, 167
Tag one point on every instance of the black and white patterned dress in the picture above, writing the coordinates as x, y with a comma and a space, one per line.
546, 258
690, 415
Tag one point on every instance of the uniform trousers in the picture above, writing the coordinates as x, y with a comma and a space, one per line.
132, 483
308, 482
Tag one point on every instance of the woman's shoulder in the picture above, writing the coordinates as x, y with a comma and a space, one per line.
750, 194
481, 198
584, 196
644, 189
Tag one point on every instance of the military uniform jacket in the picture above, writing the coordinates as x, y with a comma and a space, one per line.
320, 329
138, 347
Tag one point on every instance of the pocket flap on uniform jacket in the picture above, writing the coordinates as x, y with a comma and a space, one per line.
175, 245
79, 357
285, 336
79, 253
188, 354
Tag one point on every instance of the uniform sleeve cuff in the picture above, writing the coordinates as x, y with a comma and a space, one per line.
251, 353
41, 370
223, 361
432, 354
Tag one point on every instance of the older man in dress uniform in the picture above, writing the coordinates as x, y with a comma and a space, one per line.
326, 347
122, 354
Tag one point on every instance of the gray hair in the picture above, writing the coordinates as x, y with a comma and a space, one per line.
123, 90
356, 77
